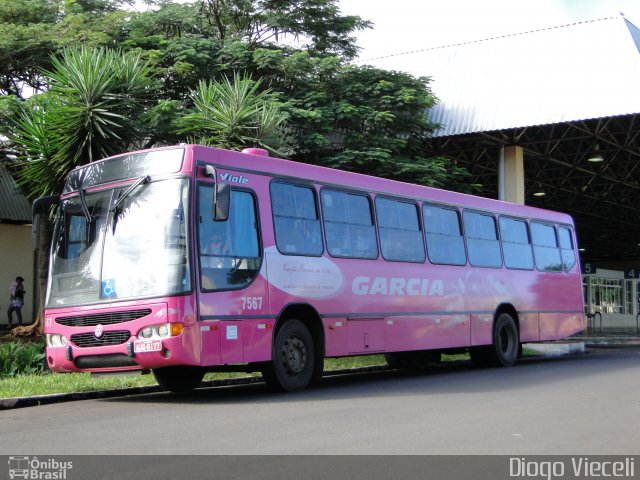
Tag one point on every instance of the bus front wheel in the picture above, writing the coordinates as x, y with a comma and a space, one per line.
506, 345
182, 378
294, 359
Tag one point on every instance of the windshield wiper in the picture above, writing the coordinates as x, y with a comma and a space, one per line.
85, 208
123, 196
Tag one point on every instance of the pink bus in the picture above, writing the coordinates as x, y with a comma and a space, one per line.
188, 259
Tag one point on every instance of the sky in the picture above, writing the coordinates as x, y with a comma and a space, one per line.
407, 25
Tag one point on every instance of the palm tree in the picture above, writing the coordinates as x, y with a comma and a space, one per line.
92, 109
235, 114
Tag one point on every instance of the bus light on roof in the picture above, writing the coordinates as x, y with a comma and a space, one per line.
256, 151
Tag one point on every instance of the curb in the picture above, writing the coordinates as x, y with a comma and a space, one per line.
557, 349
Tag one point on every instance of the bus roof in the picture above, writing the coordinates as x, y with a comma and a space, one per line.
322, 175
277, 167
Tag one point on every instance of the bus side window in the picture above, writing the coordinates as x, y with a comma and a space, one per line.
295, 217
482, 240
445, 244
567, 248
545, 247
516, 244
229, 250
348, 224
400, 234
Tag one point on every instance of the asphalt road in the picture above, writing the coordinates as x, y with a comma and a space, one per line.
582, 405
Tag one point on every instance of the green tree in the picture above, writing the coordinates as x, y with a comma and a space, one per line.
351, 117
358, 118
92, 109
234, 114
31, 31
316, 24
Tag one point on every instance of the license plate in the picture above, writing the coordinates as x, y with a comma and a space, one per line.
141, 346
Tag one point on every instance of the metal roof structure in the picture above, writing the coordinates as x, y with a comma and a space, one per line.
14, 207
572, 72
562, 94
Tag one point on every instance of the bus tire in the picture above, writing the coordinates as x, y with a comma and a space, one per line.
506, 341
505, 348
181, 378
294, 359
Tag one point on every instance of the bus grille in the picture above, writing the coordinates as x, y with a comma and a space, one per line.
106, 318
108, 338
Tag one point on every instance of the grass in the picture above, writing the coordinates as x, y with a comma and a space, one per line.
46, 383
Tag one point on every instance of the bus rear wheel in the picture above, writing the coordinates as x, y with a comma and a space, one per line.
181, 378
295, 365
505, 348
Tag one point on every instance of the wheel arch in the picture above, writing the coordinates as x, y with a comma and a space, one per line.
308, 315
511, 310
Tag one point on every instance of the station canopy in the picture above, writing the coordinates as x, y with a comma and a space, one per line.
570, 97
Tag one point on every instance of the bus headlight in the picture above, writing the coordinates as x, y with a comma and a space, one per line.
155, 332
56, 340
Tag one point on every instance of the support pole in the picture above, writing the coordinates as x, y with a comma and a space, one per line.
511, 174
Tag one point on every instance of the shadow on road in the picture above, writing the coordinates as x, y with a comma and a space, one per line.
448, 378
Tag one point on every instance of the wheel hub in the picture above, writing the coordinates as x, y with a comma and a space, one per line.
294, 355
506, 341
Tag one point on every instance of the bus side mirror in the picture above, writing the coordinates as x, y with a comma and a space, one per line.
41, 203
221, 202
38, 208
221, 196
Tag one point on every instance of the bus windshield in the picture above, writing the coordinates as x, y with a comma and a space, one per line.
109, 246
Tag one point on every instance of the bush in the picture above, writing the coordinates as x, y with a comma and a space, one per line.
17, 358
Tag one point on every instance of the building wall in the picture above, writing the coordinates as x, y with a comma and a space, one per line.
16, 258
612, 301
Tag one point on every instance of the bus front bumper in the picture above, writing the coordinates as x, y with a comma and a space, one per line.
133, 355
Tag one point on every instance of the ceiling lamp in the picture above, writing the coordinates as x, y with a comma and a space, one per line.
595, 156
538, 190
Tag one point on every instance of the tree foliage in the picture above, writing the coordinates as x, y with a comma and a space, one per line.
31, 31
92, 110
352, 117
316, 24
230, 73
231, 114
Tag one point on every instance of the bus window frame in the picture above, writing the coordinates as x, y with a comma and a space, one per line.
555, 232
372, 215
526, 222
458, 211
494, 217
316, 198
574, 243
196, 213
421, 229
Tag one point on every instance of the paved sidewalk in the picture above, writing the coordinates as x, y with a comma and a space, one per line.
613, 338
